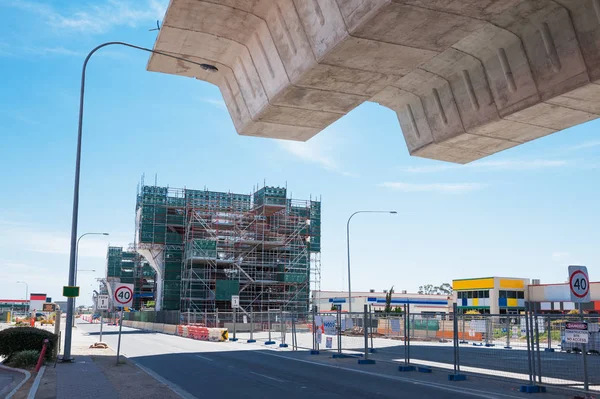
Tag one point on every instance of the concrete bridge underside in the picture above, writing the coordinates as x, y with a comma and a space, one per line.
467, 78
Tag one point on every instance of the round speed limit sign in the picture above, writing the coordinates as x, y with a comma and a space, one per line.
123, 295
579, 283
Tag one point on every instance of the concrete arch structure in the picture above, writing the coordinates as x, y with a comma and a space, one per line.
466, 78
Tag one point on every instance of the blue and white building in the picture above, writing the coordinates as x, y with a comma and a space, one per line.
418, 303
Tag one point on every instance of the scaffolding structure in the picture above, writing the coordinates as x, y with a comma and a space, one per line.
129, 267
207, 246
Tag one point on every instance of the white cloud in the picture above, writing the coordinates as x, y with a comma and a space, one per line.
445, 188
97, 18
586, 144
217, 103
490, 165
319, 150
32, 238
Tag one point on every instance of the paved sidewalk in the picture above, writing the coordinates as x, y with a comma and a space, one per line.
82, 379
95, 375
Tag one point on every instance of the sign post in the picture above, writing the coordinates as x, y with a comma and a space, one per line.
235, 305
122, 298
102, 305
579, 283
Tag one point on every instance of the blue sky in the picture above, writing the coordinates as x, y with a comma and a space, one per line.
526, 212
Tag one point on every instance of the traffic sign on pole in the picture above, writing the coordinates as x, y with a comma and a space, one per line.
579, 283
235, 301
102, 303
123, 295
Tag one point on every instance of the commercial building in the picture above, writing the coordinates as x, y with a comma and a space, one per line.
508, 295
207, 246
495, 295
418, 303
556, 298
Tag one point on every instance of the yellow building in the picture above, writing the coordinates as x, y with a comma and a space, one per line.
494, 295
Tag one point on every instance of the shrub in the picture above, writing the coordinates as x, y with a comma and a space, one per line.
24, 359
17, 339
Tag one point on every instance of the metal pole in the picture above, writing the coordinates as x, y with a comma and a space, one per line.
349, 283
371, 326
314, 329
339, 328
101, 322
455, 337
586, 382
408, 345
507, 331
527, 333
549, 333
405, 337
365, 319
75, 215
234, 323
348, 247
282, 326
251, 326
532, 335
269, 323
537, 344
119, 342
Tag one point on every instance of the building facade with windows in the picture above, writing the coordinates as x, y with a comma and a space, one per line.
493, 295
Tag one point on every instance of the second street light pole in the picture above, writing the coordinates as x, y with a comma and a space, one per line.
77, 265
348, 243
72, 258
26, 293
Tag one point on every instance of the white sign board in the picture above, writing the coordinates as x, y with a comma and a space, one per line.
576, 337
123, 295
579, 283
235, 301
102, 303
576, 332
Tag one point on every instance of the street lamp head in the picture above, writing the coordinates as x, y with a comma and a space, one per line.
209, 68
393, 212
105, 234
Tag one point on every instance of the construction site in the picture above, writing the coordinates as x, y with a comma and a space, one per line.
206, 246
129, 267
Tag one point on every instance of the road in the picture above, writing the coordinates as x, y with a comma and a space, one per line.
205, 369
555, 365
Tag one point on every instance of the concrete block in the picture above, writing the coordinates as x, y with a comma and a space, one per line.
170, 329
532, 389
406, 368
457, 377
366, 361
423, 369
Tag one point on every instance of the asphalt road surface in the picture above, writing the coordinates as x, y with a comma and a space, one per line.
235, 370
558, 365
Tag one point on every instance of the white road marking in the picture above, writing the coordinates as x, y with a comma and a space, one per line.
466, 391
173, 387
266, 376
205, 358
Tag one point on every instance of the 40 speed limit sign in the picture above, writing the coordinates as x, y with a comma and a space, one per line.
579, 282
123, 295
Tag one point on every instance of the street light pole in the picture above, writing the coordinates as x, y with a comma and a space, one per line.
26, 293
348, 244
72, 255
76, 265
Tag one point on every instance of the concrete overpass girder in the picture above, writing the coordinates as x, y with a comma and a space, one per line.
467, 79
